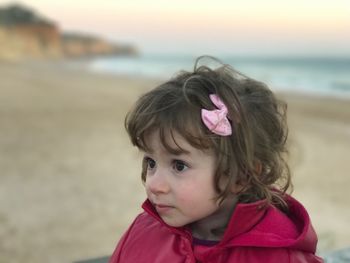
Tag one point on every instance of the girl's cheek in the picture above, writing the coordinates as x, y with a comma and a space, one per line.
148, 193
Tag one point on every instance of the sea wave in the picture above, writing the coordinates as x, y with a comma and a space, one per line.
323, 76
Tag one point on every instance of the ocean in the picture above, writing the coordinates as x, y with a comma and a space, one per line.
316, 75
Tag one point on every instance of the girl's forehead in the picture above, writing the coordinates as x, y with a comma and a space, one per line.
171, 142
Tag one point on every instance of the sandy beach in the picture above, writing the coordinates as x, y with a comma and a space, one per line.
70, 183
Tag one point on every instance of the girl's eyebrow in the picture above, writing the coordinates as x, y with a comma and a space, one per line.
179, 151
176, 152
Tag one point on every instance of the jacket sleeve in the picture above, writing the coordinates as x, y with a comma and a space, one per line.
117, 254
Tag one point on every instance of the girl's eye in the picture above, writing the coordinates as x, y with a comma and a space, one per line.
180, 166
150, 163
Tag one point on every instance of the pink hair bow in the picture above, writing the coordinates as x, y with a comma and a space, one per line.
216, 120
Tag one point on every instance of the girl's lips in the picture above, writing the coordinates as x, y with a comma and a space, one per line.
161, 209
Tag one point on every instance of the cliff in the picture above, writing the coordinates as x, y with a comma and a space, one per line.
26, 35
79, 45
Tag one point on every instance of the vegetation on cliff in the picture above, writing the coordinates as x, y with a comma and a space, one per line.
25, 34
16, 14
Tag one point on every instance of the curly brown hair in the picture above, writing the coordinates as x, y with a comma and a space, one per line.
253, 157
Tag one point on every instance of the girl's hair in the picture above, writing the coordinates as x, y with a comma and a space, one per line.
252, 157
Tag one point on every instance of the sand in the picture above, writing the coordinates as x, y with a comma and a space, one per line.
69, 183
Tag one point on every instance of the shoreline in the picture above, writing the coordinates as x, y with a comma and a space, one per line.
290, 74
68, 168
80, 65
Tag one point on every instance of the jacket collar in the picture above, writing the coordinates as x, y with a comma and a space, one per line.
244, 218
259, 225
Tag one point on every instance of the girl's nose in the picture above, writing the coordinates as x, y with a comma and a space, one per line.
157, 183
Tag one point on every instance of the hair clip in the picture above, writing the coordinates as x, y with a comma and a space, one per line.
216, 120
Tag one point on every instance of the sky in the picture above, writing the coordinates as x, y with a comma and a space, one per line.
238, 27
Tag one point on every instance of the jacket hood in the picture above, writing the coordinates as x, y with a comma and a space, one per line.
258, 225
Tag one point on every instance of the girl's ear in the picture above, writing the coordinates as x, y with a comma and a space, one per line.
258, 167
236, 188
241, 184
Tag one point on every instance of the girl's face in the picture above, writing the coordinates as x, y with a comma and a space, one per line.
181, 186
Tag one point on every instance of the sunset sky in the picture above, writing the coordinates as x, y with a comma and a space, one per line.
243, 27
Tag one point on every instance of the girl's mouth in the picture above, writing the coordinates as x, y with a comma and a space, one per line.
162, 209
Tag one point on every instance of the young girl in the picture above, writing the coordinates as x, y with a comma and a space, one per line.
215, 176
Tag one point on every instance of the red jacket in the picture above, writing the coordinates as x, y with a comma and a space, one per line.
252, 235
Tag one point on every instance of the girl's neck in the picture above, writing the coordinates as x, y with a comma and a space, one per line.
213, 226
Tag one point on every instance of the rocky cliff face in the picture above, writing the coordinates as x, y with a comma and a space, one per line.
25, 35
30, 41
78, 45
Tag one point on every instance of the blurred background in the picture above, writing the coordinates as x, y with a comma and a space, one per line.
69, 71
